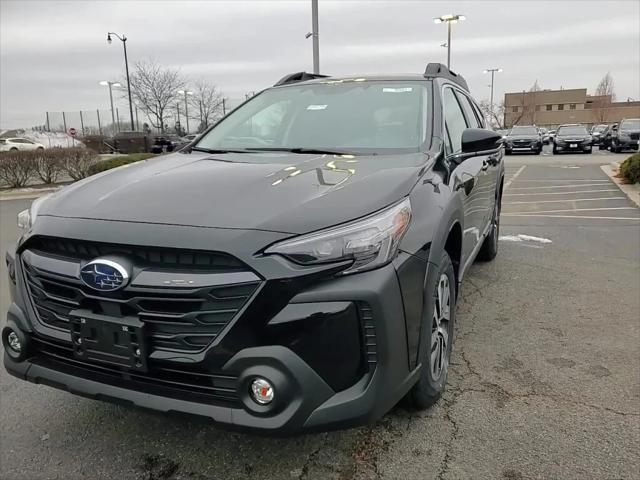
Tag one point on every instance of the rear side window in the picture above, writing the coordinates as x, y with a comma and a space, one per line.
454, 121
472, 118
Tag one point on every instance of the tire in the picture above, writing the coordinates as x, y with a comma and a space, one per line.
489, 248
40, 148
589, 151
555, 151
436, 331
539, 151
13, 149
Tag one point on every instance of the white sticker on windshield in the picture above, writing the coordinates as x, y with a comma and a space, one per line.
397, 89
316, 107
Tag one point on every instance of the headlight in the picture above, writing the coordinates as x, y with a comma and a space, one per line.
26, 218
370, 242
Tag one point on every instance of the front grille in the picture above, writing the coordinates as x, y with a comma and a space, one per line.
175, 319
185, 383
171, 258
634, 136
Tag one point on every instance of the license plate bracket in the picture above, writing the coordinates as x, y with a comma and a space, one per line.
116, 341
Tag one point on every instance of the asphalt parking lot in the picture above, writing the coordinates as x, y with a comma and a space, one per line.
545, 381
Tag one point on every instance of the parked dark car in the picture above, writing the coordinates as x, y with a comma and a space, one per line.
572, 138
597, 133
523, 139
605, 137
168, 142
626, 136
296, 269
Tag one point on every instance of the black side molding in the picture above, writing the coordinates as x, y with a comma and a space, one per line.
298, 77
440, 70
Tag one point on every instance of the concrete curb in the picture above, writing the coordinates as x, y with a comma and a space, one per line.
631, 191
26, 193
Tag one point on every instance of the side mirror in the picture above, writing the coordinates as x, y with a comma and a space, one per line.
477, 140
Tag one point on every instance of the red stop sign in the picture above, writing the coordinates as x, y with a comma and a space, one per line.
73, 132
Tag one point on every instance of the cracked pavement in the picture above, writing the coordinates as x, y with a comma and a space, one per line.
544, 380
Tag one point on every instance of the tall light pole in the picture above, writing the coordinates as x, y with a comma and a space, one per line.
493, 71
314, 34
123, 39
449, 19
186, 110
111, 84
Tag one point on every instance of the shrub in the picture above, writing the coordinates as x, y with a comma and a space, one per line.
48, 165
16, 169
630, 169
78, 161
118, 161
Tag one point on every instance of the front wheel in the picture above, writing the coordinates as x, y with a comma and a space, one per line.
436, 336
555, 150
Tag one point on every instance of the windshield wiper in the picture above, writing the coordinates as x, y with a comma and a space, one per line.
300, 150
216, 150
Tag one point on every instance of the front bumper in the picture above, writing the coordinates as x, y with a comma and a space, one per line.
574, 146
307, 397
626, 143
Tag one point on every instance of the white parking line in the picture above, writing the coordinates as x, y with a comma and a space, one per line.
566, 200
515, 175
560, 193
564, 186
570, 216
571, 210
603, 180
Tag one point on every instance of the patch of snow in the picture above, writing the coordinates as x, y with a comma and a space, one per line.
523, 238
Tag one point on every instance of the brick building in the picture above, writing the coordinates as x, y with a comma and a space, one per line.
550, 108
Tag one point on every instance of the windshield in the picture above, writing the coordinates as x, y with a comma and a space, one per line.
630, 124
599, 128
524, 131
349, 116
572, 130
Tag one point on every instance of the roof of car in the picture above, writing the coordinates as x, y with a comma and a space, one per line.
433, 70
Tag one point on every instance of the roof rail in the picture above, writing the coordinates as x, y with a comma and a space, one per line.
440, 70
298, 77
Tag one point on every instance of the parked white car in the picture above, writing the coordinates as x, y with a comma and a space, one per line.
17, 143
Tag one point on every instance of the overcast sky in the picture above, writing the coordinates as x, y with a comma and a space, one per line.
54, 53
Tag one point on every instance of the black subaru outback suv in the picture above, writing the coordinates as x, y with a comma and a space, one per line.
295, 269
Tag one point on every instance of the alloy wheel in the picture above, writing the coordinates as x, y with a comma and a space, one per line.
440, 328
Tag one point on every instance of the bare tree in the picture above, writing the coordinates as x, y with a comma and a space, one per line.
495, 117
207, 101
155, 90
605, 87
603, 97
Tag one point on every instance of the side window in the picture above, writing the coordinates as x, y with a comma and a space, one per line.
472, 119
480, 115
454, 120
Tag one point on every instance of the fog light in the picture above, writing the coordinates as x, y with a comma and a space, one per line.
261, 391
14, 342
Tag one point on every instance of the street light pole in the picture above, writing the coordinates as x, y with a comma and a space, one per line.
111, 84
186, 111
123, 39
314, 35
449, 19
493, 71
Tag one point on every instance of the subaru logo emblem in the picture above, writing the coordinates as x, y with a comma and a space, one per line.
104, 275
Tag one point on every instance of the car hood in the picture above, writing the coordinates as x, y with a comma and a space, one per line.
278, 192
523, 137
573, 137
